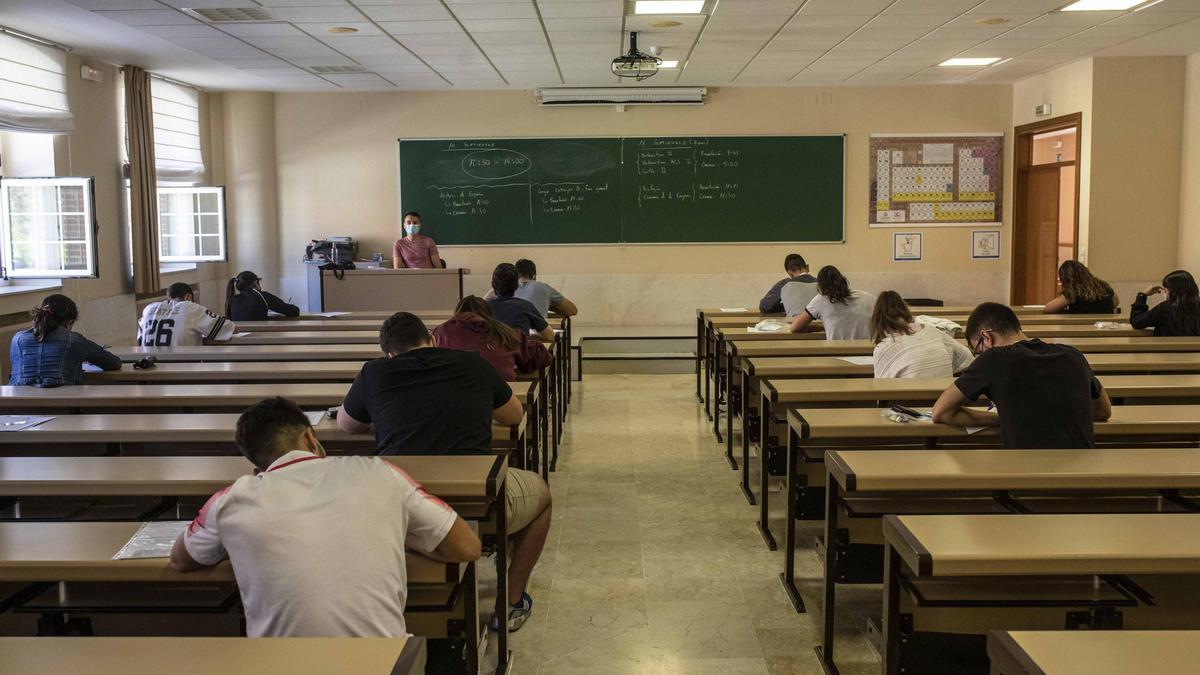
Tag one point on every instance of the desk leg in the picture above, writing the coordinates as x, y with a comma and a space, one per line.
708, 370
502, 579
471, 613
729, 414
699, 351
718, 391
745, 414
764, 514
825, 651
567, 359
544, 404
891, 610
558, 413
789, 541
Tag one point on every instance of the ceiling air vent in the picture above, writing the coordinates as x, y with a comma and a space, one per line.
337, 70
229, 14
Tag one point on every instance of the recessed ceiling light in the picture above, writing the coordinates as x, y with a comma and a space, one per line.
341, 30
668, 6
970, 61
667, 24
1100, 5
669, 64
994, 21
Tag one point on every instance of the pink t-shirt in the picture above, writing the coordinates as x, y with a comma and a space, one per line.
416, 253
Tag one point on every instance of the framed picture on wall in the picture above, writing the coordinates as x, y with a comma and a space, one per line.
985, 244
906, 246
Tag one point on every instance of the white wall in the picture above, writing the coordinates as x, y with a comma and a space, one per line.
1189, 196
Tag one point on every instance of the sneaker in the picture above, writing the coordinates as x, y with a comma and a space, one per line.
517, 615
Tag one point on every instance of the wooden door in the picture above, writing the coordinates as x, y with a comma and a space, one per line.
1041, 234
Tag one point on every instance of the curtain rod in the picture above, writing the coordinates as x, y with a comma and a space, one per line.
164, 78
33, 38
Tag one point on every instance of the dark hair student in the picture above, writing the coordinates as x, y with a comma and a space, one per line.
499, 335
245, 300
1178, 314
50, 353
832, 284
891, 316
56, 310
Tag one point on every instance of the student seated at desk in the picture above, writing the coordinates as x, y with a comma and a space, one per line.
905, 348
540, 294
1082, 292
472, 329
178, 321
1177, 315
424, 400
513, 311
797, 271
844, 313
317, 543
50, 354
1046, 394
245, 300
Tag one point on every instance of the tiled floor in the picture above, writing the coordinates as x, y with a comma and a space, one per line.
654, 564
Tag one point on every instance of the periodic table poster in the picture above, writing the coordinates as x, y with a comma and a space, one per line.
938, 180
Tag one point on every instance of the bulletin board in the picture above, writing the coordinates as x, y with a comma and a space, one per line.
936, 180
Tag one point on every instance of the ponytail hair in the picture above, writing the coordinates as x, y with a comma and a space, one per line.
1184, 294
891, 316
832, 284
56, 310
499, 335
244, 281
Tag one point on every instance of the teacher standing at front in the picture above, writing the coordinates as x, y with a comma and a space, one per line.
415, 250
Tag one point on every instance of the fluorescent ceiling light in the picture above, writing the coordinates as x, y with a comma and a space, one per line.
1101, 5
669, 64
964, 61
668, 6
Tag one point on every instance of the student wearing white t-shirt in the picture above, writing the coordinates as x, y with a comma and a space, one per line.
905, 348
317, 543
842, 312
179, 321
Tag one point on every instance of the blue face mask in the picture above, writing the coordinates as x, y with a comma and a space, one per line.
412, 228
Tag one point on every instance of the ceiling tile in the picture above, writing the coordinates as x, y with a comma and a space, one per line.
642, 23
999, 7
976, 34
1019, 43
148, 17
116, 4
364, 46
591, 37
766, 22
591, 24
359, 80
1150, 17
440, 41
502, 25
972, 21
315, 14
803, 20
321, 30
494, 10
190, 31
420, 27
1084, 42
843, 7
1074, 18
748, 7
1114, 31
888, 20
260, 61
567, 10
856, 54
277, 29
424, 12
218, 46
1034, 32
943, 7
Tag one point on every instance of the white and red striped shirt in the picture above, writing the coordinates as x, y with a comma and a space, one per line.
317, 544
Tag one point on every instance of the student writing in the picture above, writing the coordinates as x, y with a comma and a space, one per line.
50, 353
181, 321
797, 270
1177, 315
513, 311
844, 313
245, 300
1082, 292
473, 329
905, 348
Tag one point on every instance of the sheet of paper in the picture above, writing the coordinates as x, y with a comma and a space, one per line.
734, 309
242, 334
329, 315
858, 360
19, 422
937, 153
973, 430
1033, 306
152, 540
89, 368
315, 417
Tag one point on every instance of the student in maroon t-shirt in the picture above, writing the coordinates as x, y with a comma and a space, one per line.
472, 329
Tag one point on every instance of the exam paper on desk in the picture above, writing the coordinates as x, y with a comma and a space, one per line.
152, 540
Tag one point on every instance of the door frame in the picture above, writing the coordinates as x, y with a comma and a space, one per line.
1022, 163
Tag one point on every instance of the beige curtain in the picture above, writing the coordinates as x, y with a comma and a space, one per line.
143, 187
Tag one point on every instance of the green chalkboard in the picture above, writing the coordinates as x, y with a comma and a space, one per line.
636, 190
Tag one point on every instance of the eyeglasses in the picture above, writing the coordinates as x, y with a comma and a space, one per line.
977, 348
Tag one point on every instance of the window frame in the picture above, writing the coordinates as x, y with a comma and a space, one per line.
91, 231
222, 231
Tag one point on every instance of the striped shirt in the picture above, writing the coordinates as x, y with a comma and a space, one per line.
928, 352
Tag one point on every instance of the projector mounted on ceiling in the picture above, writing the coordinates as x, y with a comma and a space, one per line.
635, 64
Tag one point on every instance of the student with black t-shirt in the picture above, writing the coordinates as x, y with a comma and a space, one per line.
422, 400
1046, 394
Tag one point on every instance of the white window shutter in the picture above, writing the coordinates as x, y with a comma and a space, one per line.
176, 132
33, 88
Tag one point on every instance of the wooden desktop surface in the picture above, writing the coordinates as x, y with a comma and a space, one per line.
453, 478
1031, 321
1045, 332
83, 551
1046, 544
236, 372
1085, 652
227, 352
1011, 469
1087, 345
832, 366
206, 655
306, 337
868, 423
790, 391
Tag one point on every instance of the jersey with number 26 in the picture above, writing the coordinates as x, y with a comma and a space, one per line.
179, 323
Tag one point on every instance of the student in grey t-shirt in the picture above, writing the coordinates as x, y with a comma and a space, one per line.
844, 313
543, 296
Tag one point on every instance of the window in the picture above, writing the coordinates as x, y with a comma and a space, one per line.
48, 227
191, 224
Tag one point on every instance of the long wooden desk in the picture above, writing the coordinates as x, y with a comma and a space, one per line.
141, 396
1085, 652
227, 352
305, 337
1034, 545
203, 656
814, 432
998, 480
778, 396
